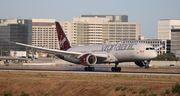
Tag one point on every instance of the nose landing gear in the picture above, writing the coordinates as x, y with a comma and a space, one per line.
146, 63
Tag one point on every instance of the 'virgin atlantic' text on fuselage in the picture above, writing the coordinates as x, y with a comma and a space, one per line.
118, 47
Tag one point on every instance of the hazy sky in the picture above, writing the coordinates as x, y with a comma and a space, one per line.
147, 12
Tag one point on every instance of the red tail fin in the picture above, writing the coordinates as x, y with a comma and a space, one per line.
63, 41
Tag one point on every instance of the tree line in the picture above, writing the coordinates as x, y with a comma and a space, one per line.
167, 57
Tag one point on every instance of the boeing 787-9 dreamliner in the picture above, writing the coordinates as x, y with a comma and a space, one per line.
140, 53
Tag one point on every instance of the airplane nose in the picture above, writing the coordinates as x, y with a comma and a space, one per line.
154, 54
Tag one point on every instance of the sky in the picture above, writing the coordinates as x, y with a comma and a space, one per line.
146, 12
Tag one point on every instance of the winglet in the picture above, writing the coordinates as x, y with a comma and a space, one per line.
63, 41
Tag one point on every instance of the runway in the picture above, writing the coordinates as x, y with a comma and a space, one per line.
99, 70
85, 72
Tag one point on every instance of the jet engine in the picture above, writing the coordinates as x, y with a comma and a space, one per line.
140, 63
88, 59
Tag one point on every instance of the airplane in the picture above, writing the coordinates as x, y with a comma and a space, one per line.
140, 53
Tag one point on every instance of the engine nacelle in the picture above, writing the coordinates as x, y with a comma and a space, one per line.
88, 59
140, 63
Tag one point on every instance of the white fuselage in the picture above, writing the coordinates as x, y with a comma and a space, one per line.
123, 52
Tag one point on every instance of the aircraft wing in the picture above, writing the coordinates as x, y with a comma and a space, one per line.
60, 52
157, 47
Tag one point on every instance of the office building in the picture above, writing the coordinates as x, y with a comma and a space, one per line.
169, 29
44, 33
112, 18
165, 26
96, 30
16, 30
175, 40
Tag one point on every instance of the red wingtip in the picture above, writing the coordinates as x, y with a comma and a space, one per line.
63, 41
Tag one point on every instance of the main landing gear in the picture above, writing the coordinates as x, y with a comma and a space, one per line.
116, 69
88, 68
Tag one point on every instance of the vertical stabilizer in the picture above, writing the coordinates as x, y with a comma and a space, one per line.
63, 41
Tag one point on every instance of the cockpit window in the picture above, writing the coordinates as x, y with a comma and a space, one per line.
150, 48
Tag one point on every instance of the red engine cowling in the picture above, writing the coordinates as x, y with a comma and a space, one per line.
88, 59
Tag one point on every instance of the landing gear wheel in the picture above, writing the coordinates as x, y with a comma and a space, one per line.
85, 68
92, 68
112, 69
146, 63
116, 69
147, 66
88, 68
